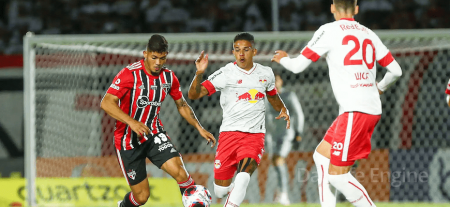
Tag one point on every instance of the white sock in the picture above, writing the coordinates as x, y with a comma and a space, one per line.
352, 190
221, 191
237, 194
327, 198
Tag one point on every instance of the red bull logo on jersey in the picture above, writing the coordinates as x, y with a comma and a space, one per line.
263, 79
252, 96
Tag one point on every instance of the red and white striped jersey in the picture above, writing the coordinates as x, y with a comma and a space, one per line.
447, 91
141, 95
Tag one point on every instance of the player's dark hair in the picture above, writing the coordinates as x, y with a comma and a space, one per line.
157, 43
345, 5
245, 36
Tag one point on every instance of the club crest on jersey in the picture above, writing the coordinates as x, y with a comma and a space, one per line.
217, 164
143, 101
166, 87
131, 174
263, 79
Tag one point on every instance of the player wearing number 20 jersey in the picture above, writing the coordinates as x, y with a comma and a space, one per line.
352, 51
447, 91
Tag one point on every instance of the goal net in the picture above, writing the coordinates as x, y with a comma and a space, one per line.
69, 136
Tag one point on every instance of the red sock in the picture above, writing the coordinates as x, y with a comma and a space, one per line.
129, 201
186, 184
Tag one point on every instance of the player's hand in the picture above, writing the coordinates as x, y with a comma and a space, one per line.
284, 113
208, 136
379, 91
140, 128
278, 55
201, 63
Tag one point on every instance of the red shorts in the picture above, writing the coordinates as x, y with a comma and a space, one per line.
349, 136
233, 147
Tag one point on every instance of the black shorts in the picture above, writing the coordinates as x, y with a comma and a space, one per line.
158, 149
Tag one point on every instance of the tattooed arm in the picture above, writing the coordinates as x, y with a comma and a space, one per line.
279, 106
196, 90
187, 113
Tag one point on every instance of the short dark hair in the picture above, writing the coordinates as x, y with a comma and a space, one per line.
245, 36
345, 5
157, 43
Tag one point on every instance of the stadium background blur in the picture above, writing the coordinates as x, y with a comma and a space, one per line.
175, 16
411, 139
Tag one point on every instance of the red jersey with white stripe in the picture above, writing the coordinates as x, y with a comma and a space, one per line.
447, 91
351, 51
141, 95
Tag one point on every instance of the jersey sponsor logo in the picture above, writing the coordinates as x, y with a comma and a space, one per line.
164, 146
363, 76
361, 85
143, 101
252, 96
131, 174
353, 26
173, 150
214, 75
142, 87
217, 164
153, 87
117, 81
318, 38
115, 86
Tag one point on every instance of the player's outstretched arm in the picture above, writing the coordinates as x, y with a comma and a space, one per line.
448, 100
187, 113
196, 90
110, 105
279, 106
394, 71
295, 65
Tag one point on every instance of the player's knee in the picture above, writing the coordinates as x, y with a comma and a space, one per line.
142, 197
338, 180
274, 159
319, 158
221, 191
278, 161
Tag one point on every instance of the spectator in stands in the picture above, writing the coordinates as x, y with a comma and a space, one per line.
133, 16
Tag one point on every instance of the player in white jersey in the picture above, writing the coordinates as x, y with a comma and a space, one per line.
351, 51
243, 86
447, 91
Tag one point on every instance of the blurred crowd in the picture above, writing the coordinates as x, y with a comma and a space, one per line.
173, 16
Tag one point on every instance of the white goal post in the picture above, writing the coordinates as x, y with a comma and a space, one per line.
65, 74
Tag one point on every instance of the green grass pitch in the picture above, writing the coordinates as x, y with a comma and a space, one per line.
378, 204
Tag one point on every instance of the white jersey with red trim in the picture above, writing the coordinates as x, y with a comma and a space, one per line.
352, 50
242, 96
447, 91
